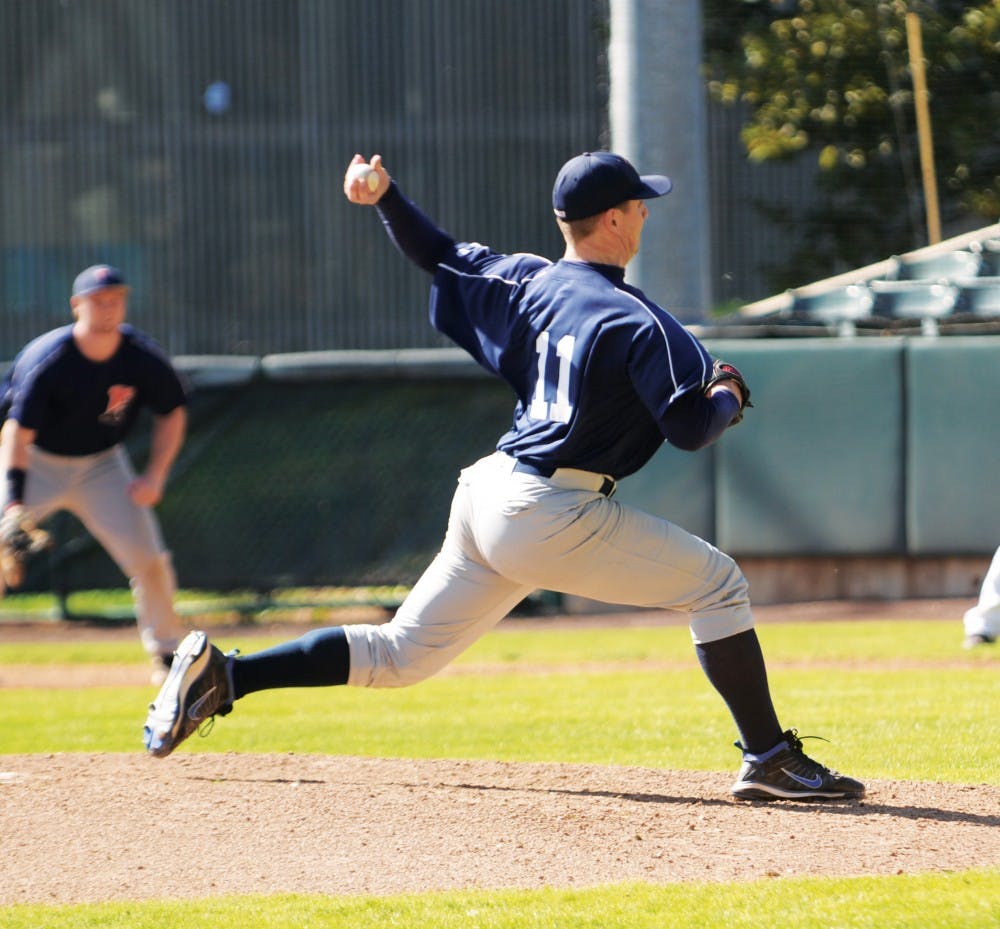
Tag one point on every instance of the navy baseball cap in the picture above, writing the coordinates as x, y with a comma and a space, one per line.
596, 181
97, 277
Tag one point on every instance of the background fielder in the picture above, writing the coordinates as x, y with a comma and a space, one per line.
70, 398
602, 376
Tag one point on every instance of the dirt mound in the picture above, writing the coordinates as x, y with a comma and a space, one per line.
116, 827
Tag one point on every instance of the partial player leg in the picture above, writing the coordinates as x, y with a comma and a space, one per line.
453, 604
457, 599
319, 658
982, 622
131, 536
582, 543
603, 550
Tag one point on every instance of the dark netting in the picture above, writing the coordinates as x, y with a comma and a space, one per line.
306, 485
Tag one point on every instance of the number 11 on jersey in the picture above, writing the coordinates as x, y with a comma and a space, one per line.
561, 409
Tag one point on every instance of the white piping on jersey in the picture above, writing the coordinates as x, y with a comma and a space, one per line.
458, 272
666, 341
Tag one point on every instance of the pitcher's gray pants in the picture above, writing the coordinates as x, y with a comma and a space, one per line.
511, 533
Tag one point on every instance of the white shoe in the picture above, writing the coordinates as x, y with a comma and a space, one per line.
197, 688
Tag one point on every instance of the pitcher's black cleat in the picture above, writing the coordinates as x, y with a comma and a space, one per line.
198, 687
785, 772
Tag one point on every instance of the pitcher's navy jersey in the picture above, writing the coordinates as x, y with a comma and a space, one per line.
81, 407
602, 374
594, 363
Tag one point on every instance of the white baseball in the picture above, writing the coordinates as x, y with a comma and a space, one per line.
363, 172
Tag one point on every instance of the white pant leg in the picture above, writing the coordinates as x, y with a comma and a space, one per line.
511, 533
579, 542
95, 489
984, 617
457, 599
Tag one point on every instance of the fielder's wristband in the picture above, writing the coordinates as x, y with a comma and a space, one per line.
15, 486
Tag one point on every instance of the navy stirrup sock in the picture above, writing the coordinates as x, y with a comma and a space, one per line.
735, 668
319, 658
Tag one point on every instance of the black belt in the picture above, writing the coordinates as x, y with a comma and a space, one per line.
607, 488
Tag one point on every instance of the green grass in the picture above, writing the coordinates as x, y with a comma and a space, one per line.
943, 901
897, 700
911, 721
207, 606
918, 725
783, 642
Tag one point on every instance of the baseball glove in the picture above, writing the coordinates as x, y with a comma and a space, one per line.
20, 538
723, 371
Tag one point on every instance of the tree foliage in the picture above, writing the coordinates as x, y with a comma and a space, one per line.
831, 80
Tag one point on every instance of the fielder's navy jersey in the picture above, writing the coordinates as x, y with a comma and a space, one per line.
596, 366
80, 407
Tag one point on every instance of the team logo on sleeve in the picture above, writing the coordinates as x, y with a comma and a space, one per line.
119, 398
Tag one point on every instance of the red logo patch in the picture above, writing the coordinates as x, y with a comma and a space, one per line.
119, 397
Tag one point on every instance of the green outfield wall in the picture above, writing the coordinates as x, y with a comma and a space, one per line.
337, 468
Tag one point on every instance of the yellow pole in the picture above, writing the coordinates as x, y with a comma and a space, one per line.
920, 95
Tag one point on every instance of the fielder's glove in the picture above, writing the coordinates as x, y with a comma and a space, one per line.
723, 371
20, 538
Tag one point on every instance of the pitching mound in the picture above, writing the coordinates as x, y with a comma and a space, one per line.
117, 827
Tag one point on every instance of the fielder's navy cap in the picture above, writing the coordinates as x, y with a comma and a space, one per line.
596, 181
97, 277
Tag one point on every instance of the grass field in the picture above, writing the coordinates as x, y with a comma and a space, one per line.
897, 700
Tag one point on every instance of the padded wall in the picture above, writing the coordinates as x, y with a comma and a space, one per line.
817, 466
953, 447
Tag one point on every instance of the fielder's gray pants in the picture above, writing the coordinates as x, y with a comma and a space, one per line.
94, 488
511, 533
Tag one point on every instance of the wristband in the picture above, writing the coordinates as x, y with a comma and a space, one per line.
15, 486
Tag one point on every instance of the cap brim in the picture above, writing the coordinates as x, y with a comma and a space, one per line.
93, 290
654, 185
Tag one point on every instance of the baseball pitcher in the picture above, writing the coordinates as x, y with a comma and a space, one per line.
601, 376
